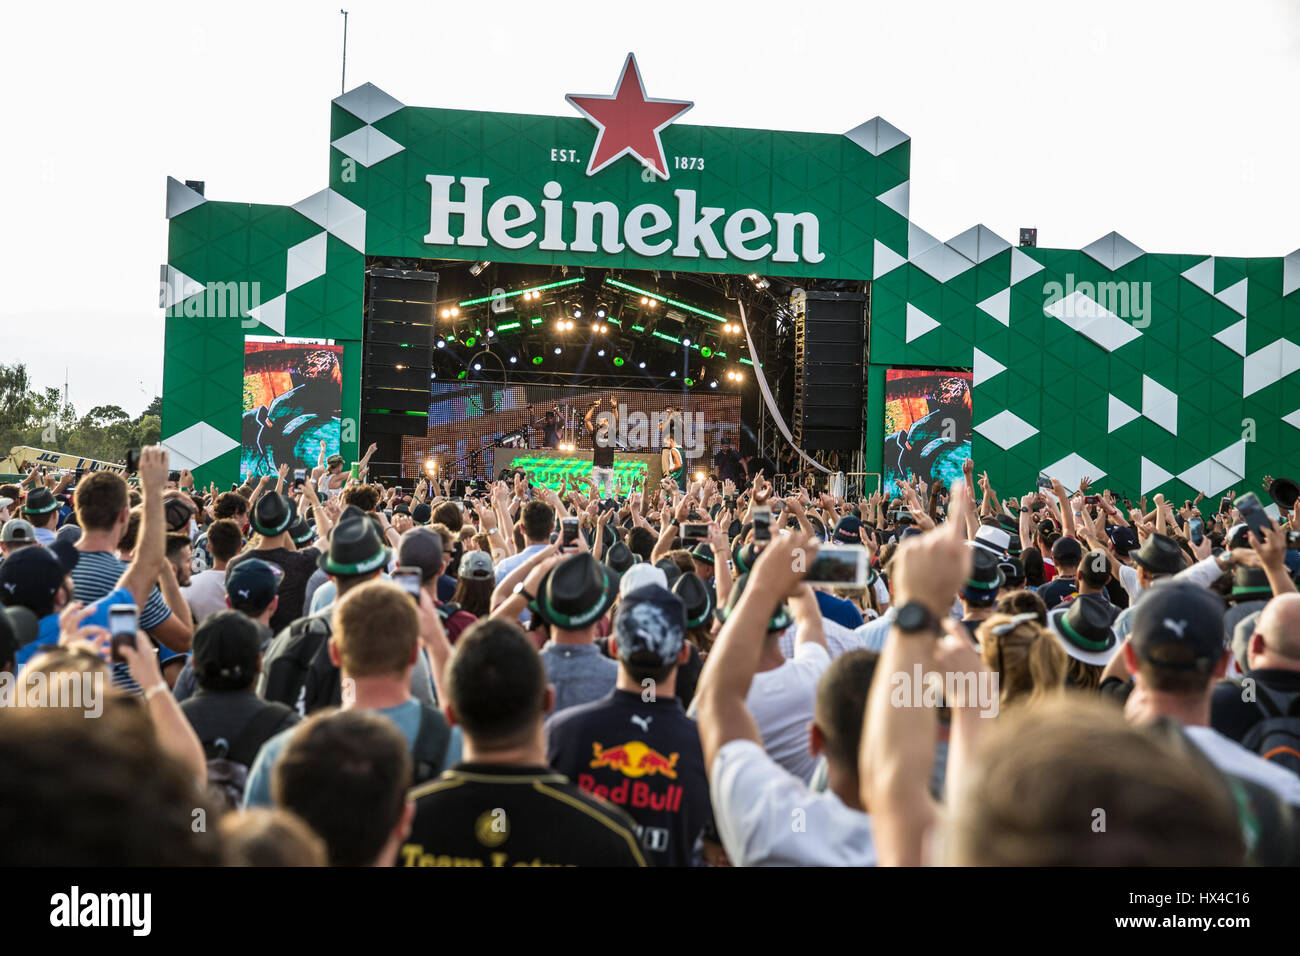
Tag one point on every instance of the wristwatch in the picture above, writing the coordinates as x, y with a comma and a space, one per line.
915, 618
519, 589
1224, 566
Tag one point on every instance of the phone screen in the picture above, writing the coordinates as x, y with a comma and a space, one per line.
842, 565
762, 524
695, 531
1196, 530
409, 580
122, 620
1252, 513
570, 532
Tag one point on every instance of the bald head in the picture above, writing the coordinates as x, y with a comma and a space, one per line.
1276, 641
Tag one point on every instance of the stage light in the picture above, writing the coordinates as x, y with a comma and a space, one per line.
478, 366
513, 359
537, 360
673, 373
490, 333
641, 365
558, 350
446, 313
618, 360
652, 303
644, 300
686, 342
601, 353
601, 313
442, 344
462, 374
699, 476
690, 382
478, 267
577, 313
713, 384
595, 326
706, 351
399, 367
430, 466
470, 341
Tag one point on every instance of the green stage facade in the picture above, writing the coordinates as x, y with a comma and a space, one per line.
1148, 372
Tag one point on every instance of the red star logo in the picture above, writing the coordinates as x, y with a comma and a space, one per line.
629, 122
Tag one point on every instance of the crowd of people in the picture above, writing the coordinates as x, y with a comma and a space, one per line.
330, 670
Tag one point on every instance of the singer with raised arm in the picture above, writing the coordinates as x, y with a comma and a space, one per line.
600, 426
673, 464
552, 427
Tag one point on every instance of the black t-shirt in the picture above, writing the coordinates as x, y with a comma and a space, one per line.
298, 567
644, 756
1234, 717
1057, 590
602, 454
484, 815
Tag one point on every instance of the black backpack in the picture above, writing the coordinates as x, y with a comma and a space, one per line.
229, 761
1276, 737
303, 676
430, 750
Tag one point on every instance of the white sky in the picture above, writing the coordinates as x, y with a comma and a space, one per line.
1171, 122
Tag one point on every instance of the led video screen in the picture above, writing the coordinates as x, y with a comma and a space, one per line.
293, 399
927, 424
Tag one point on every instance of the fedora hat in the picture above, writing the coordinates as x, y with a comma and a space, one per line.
1285, 492
575, 592
355, 548
1083, 629
1159, 555
272, 514
696, 597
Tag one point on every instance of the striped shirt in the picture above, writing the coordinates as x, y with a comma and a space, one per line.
96, 576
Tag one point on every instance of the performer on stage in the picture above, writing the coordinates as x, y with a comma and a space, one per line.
674, 465
552, 426
602, 443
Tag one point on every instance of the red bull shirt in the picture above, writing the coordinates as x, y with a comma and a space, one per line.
642, 753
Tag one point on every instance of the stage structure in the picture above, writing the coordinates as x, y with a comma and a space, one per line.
1147, 371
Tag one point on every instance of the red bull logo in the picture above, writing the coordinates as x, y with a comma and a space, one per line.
634, 759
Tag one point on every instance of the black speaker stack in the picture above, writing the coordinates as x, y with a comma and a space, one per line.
397, 360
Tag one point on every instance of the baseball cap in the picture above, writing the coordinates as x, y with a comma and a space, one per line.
422, 548
1124, 539
641, 575
30, 577
846, 530
226, 647
252, 584
475, 565
1178, 626
18, 531
650, 627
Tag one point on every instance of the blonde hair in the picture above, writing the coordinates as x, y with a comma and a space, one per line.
1030, 664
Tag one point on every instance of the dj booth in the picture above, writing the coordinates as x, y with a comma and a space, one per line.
547, 466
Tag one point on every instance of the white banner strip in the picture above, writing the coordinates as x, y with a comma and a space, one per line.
767, 396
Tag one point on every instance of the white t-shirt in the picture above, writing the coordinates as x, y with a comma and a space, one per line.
782, 702
1232, 758
1128, 577
206, 594
766, 817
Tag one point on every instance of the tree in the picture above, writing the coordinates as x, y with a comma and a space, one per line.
41, 418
